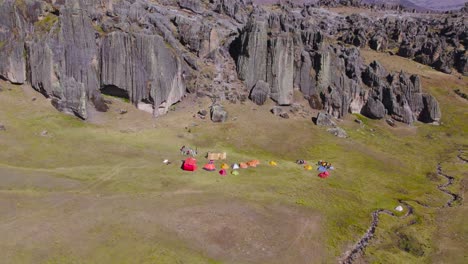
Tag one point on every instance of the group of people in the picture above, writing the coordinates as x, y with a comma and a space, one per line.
325, 164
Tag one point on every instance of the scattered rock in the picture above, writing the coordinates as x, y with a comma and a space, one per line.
359, 121
277, 110
390, 122
44, 133
461, 94
284, 115
218, 114
338, 132
202, 114
123, 111
324, 119
33, 99
2, 127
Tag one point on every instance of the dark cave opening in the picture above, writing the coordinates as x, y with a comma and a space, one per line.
115, 91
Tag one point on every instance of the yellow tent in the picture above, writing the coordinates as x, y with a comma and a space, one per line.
224, 166
308, 167
273, 163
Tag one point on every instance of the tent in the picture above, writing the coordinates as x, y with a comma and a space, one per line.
273, 163
322, 169
324, 175
222, 172
224, 166
301, 162
253, 163
308, 167
210, 166
190, 164
235, 166
235, 172
243, 165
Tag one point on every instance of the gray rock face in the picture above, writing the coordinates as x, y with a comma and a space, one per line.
324, 119
144, 67
252, 58
218, 114
12, 54
63, 62
280, 69
271, 61
260, 93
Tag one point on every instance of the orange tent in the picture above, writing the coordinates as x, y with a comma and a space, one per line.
243, 165
253, 163
209, 166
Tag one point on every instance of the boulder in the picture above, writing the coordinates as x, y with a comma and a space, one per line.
218, 114
324, 119
374, 109
431, 111
260, 92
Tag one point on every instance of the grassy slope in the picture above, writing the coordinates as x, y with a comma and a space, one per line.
375, 167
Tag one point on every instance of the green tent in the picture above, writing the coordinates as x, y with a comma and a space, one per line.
235, 172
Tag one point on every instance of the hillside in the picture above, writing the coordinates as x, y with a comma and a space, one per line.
435, 5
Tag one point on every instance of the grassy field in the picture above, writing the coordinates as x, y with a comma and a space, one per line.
98, 191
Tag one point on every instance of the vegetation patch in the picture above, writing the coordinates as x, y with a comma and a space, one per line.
46, 24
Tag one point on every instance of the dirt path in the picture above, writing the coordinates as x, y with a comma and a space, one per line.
358, 249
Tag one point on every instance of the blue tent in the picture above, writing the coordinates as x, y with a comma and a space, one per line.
322, 169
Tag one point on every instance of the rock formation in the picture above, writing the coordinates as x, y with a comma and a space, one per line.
153, 52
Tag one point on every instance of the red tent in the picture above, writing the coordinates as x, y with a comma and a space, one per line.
324, 174
210, 166
190, 164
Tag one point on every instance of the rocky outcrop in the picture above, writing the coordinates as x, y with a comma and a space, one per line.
12, 53
144, 67
434, 42
153, 52
63, 61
